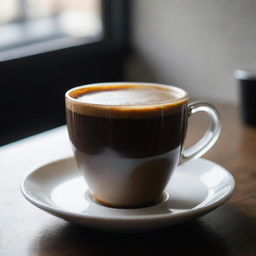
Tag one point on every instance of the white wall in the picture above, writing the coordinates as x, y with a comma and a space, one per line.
195, 44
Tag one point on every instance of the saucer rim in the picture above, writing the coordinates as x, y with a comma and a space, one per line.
179, 213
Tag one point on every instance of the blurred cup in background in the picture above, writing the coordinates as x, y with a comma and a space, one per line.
247, 94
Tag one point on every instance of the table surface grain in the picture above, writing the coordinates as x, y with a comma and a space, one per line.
228, 230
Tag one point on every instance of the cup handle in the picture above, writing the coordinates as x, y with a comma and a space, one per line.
210, 136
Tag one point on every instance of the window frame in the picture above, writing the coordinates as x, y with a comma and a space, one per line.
56, 71
115, 21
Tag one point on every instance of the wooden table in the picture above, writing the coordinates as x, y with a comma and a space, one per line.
228, 230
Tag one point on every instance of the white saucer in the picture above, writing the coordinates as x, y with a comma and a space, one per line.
196, 188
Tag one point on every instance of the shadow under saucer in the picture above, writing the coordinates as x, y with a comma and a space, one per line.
185, 239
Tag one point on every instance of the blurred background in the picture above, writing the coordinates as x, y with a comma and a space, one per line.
49, 46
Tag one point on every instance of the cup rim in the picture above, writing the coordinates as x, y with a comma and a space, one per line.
181, 91
245, 74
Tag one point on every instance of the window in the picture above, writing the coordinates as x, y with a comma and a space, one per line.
60, 22
49, 46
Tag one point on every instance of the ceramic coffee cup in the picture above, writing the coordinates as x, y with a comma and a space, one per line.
128, 138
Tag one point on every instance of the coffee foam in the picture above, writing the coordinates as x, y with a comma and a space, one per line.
125, 100
128, 97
